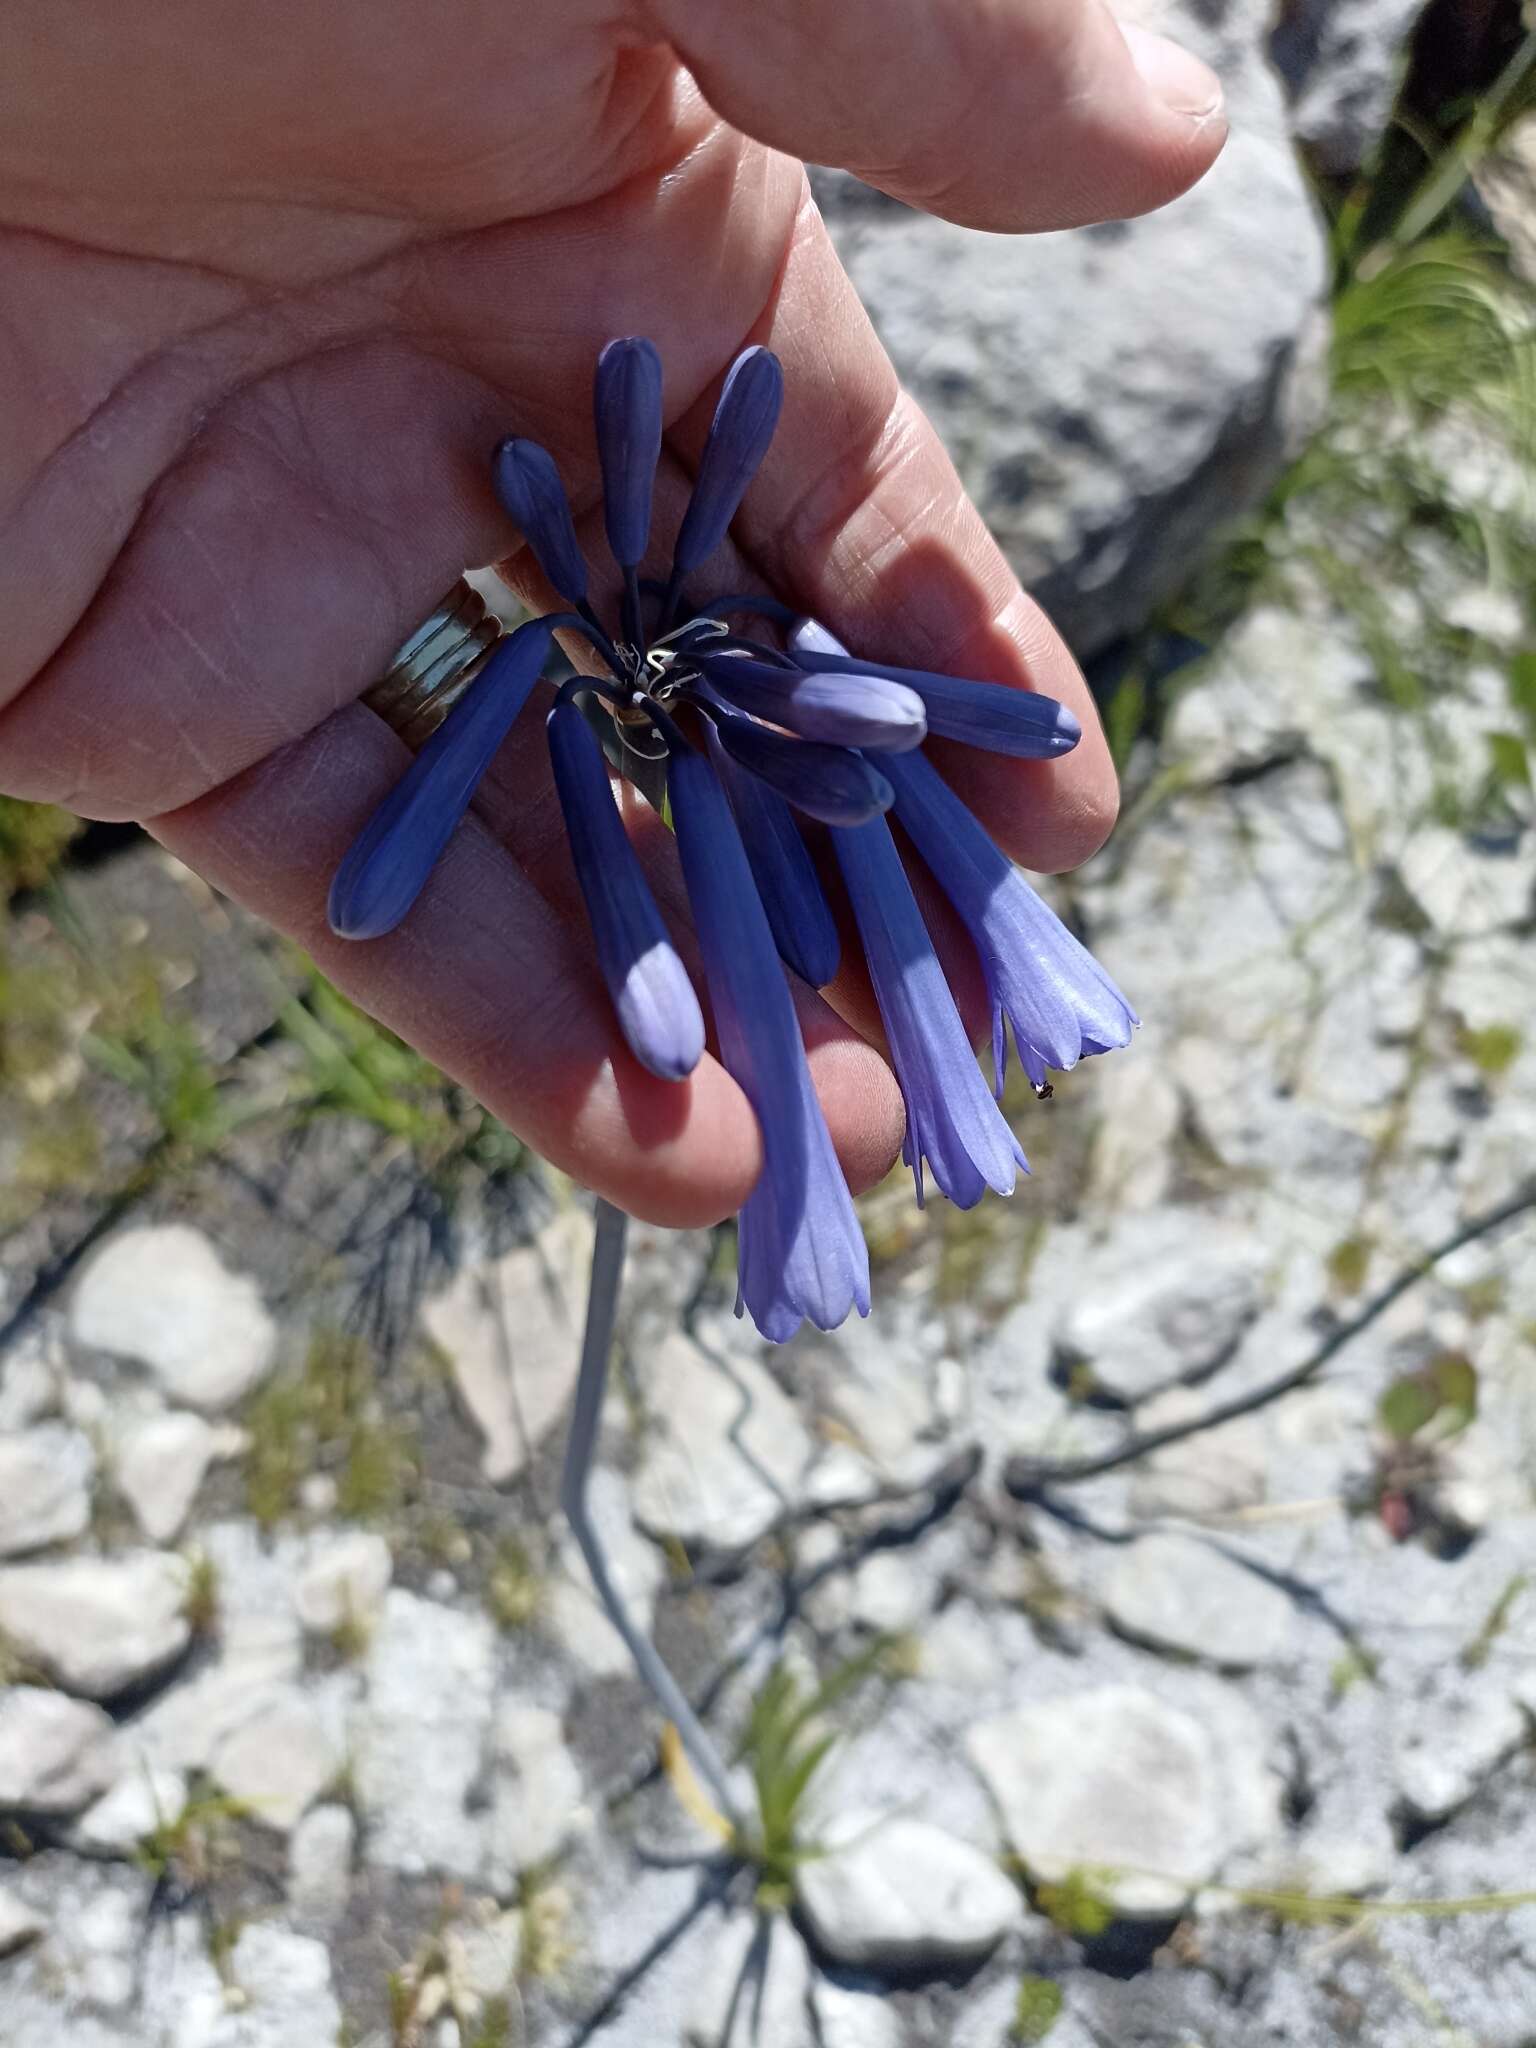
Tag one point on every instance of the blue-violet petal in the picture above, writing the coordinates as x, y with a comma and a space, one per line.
853, 710
993, 716
804, 929
801, 1252
528, 484
657, 1008
952, 1121
627, 405
387, 865
832, 784
1060, 1002
738, 440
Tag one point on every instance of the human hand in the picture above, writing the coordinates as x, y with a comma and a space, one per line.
273, 280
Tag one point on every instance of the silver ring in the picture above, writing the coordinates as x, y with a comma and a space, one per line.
436, 665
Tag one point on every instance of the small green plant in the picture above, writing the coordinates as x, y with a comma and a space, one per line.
784, 1745
190, 1846
223, 1936
1037, 2011
324, 1418
1078, 1904
1349, 1264
33, 839
548, 1944
514, 1588
493, 2029
352, 1066
1355, 1667
1478, 1651
1493, 1050
200, 1602
350, 1638
1441, 1394
378, 1471
400, 1990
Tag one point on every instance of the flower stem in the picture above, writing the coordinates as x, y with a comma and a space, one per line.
597, 1343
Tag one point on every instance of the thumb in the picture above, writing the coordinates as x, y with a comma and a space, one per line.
1005, 114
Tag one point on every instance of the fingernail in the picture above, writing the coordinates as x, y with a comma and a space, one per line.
1181, 81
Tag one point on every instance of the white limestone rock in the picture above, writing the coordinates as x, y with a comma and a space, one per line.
279, 1760
160, 1463
899, 1894
275, 1989
56, 1754
728, 1453
1165, 1295
786, 1980
482, 1960
1105, 406
539, 1801
853, 2018
1182, 1594
97, 1920
343, 1580
141, 1801
45, 1487
19, 1925
511, 1332
31, 1374
1113, 1781
420, 1737
162, 1296
1341, 60
320, 1856
98, 1625
573, 1613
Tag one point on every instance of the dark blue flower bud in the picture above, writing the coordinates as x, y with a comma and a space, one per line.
528, 485
855, 710
386, 867
803, 926
993, 716
627, 406
738, 440
833, 784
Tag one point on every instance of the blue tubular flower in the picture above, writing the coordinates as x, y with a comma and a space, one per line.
531, 493
813, 731
803, 926
952, 1121
657, 1008
988, 715
1060, 1002
387, 865
853, 710
833, 784
627, 406
802, 1254
738, 440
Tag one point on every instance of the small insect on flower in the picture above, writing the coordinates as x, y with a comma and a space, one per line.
757, 731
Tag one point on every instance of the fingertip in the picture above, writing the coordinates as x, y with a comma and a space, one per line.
1181, 82
682, 1155
863, 1106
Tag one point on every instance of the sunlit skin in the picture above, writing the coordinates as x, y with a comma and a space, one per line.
273, 281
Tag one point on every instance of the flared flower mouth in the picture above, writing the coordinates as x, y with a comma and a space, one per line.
743, 717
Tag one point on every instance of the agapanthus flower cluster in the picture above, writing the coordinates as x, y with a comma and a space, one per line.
754, 732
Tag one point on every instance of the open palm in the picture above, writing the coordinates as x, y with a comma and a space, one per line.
273, 279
